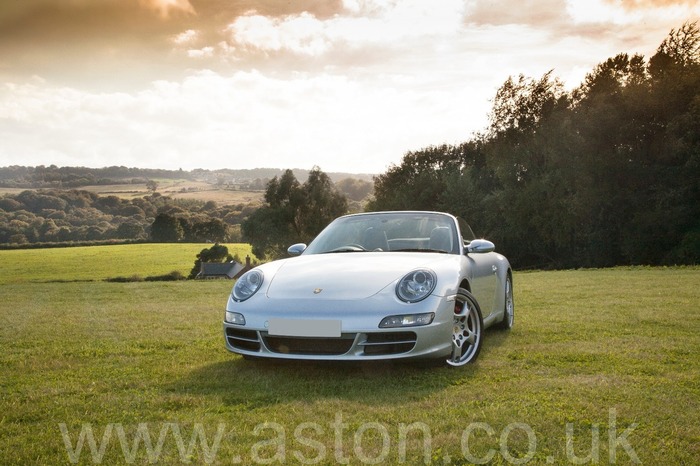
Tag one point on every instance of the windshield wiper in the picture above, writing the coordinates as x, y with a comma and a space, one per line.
420, 250
348, 248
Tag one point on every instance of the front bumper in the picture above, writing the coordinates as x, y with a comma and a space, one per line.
360, 338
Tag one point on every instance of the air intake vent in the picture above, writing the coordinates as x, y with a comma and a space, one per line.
243, 339
379, 344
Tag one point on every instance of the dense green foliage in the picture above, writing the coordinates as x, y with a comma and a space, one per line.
606, 174
293, 212
47, 216
56, 215
75, 177
168, 228
216, 253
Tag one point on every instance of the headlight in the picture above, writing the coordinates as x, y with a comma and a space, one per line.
247, 285
416, 286
410, 320
234, 318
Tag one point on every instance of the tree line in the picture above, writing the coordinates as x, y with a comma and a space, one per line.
605, 174
59, 216
43, 177
54, 177
48, 216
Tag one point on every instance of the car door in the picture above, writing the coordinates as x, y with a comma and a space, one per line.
483, 270
484, 281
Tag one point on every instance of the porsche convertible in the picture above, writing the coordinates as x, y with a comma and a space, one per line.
379, 285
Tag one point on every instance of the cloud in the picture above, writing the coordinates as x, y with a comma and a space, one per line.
205, 52
537, 13
645, 4
187, 37
347, 85
246, 120
166, 7
366, 23
302, 34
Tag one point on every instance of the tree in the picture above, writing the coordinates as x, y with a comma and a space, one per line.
130, 230
216, 253
519, 106
681, 48
293, 212
606, 174
355, 189
212, 229
322, 204
166, 229
419, 181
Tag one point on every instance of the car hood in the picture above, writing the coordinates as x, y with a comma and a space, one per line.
345, 276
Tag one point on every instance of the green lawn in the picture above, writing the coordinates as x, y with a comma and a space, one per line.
91, 263
602, 366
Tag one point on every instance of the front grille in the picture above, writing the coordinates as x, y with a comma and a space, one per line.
372, 344
380, 344
243, 339
309, 345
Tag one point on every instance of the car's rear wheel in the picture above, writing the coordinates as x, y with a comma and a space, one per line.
508, 308
467, 329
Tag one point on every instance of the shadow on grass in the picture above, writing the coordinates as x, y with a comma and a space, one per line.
257, 383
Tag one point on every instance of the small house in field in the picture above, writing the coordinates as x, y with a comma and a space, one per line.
227, 270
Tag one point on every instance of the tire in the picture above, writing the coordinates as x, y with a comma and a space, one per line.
467, 330
508, 308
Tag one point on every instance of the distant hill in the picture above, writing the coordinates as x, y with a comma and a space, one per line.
77, 177
48, 205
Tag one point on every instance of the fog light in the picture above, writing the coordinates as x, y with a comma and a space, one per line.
235, 318
408, 320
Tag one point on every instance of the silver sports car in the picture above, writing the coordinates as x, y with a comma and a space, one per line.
381, 285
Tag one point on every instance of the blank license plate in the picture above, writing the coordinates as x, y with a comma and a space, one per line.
304, 328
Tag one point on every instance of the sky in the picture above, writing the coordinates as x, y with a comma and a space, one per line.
345, 85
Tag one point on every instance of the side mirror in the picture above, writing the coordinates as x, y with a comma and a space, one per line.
296, 249
480, 246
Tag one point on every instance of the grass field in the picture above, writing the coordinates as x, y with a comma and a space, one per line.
177, 189
182, 189
94, 263
601, 367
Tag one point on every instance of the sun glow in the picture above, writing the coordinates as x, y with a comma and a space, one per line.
165, 7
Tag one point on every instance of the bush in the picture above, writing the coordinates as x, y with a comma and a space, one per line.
168, 277
133, 278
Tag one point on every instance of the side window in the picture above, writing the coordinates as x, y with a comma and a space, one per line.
465, 230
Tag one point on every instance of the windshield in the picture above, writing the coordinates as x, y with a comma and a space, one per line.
392, 231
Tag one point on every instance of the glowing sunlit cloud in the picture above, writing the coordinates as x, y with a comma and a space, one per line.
246, 120
187, 37
633, 4
165, 7
600, 11
631, 11
303, 34
205, 52
431, 85
368, 22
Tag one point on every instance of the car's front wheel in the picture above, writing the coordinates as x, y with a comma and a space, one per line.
467, 329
